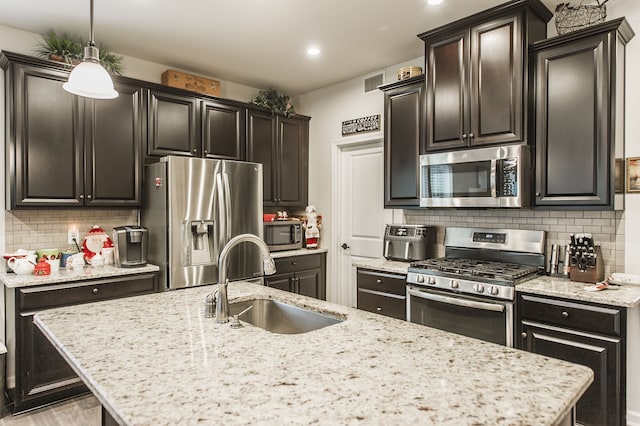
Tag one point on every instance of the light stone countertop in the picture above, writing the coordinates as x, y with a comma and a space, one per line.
155, 360
298, 252
626, 295
382, 264
11, 280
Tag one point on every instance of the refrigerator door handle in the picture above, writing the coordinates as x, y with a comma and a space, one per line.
222, 218
227, 206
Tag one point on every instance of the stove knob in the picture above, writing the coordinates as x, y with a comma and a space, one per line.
454, 284
432, 280
420, 279
494, 290
479, 288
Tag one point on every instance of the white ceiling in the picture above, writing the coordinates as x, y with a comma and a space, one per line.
258, 43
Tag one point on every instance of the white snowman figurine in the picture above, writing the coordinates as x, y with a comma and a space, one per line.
312, 228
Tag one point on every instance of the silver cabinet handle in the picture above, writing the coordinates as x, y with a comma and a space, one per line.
464, 136
89, 197
471, 135
81, 197
378, 281
565, 314
524, 335
95, 290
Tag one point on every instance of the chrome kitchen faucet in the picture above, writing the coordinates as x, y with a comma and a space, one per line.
268, 266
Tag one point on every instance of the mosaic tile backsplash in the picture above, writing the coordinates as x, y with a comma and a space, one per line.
607, 227
36, 229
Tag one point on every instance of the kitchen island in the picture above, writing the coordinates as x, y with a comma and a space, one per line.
156, 360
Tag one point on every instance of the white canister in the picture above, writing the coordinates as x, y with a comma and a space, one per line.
107, 252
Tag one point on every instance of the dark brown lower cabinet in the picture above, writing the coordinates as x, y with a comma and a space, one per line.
305, 274
42, 376
586, 334
382, 293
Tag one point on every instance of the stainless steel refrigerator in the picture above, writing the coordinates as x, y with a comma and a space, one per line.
192, 207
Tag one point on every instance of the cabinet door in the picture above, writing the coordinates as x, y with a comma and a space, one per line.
173, 124
572, 120
261, 148
285, 282
46, 124
403, 140
496, 82
113, 148
223, 131
600, 404
309, 283
391, 305
41, 372
42, 375
293, 162
447, 60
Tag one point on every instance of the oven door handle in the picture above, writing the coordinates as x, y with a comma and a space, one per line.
495, 307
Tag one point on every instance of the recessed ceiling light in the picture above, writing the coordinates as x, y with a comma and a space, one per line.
313, 51
434, 2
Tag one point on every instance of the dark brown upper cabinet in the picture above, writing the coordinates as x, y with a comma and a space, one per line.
579, 112
403, 141
68, 151
173, 124
189, 125
281, 144
477, 76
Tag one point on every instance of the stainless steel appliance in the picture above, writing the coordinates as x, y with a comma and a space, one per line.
193, 207
131, 246
483, 177
471, 291
283, 234
409, 242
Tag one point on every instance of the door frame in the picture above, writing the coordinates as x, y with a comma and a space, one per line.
370, 140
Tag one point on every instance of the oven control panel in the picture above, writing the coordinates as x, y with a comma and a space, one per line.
489, 237
461, 286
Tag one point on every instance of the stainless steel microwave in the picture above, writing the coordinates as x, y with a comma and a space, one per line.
482, 177
283, 234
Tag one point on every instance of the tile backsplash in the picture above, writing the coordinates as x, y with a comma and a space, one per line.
607, 227
36, 229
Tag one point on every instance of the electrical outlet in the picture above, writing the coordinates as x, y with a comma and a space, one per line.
73, 234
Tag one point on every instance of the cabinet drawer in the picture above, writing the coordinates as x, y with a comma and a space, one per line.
382, 282
298, 263
596, 319
382, 303
51, 296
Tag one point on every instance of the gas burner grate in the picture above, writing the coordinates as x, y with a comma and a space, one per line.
476, 268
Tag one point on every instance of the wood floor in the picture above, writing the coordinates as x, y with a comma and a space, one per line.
82, 411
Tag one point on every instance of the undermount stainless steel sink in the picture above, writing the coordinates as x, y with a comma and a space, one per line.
278, 317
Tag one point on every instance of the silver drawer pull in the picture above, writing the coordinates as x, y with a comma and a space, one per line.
95, 290
565, 314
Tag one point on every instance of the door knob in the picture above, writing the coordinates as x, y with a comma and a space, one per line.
345, 246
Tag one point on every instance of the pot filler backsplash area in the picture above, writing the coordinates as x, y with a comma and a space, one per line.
607, 227
36, 229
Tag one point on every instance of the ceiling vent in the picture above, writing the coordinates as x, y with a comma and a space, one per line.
372, 83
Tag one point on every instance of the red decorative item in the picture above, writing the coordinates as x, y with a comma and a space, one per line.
93, 243
42, 268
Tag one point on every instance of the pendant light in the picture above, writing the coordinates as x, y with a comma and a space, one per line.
89, 78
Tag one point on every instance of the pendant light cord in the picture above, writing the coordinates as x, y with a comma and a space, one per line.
91, 42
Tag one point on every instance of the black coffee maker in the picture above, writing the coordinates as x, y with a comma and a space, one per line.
130, 246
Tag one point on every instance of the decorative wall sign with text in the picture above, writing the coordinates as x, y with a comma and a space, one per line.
361, 125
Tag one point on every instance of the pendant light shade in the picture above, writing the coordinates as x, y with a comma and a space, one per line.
89, 78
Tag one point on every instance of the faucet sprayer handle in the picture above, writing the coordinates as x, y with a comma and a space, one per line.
268, 265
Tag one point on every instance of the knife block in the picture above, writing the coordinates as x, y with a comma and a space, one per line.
593, 274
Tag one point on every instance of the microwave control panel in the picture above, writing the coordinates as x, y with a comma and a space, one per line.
508, 169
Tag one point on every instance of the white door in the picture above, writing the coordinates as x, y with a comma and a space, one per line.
362, 217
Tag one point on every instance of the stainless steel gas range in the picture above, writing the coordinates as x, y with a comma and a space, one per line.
471, 291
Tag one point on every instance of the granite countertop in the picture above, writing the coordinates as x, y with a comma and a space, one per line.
297, 252
155, 360
11, 280
383, 264
627, 295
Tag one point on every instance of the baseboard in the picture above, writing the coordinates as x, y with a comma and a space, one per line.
633, 418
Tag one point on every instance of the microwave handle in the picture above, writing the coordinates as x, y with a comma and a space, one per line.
492, 182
